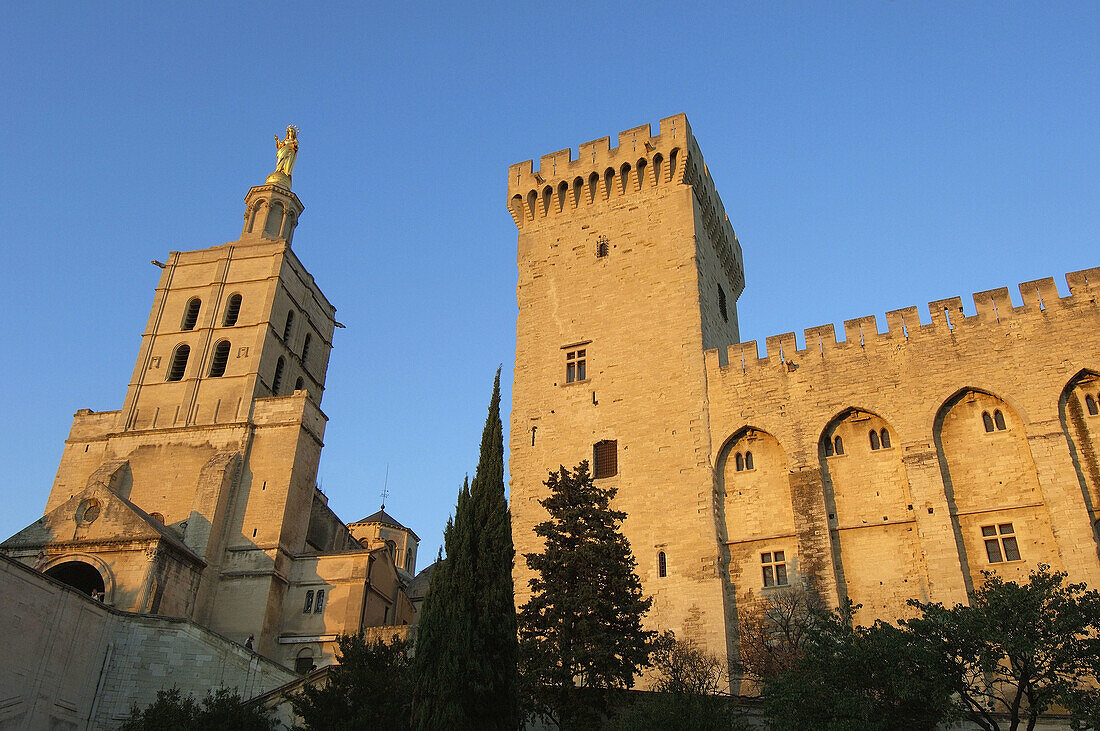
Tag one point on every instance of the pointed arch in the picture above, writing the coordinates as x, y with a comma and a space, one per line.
1077, 411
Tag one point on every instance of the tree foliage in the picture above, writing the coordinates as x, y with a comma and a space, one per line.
583, 623
172, 711
369, 688
773, 631
466, 652
1017, 649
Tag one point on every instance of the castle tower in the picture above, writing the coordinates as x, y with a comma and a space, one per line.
628, 270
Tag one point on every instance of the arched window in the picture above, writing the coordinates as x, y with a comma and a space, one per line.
288, 328
563, 193
319, 605
987, 421
191, 314
274, 223
885, 439
220, 359
999, 420
232, 310
828, 447
305, 348
392, 548
299, 384
157, 517
408, 559
748, 460
593, 185
277, 379
1090, 403
179, 362
874, 439
304, 662
739, 460
309, 602
838, 444
662, 565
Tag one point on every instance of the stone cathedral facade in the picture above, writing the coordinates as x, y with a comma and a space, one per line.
198, 499
888, 464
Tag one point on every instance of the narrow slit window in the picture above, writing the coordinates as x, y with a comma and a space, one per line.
828, 443
220, 359
722, 304
232, 310
605, 456
1090, 404
748, 460
740, 462
875, 444
999, 420
885, 438
299, 384
603, 247
179, 362
305, 348
191, 314
288, 328
277, 379
662, 565
987, 421
309, 602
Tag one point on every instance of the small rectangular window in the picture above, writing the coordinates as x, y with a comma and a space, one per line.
605, 459
774, 567
575, 369
319, 606
1000, 543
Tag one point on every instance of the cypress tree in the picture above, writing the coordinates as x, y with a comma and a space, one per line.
466, 649
583, 624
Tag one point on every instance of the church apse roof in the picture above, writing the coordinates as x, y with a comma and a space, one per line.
385, 519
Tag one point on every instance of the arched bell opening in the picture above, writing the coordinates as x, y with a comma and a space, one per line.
83, 577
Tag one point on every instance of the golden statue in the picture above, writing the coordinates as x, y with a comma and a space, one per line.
286, 151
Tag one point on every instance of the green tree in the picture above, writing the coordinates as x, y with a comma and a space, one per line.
583, 623
773, 631
172, 711
466, 653
1016, 648
371, 687
876, 678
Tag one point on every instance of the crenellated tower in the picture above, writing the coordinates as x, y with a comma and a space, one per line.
628, 270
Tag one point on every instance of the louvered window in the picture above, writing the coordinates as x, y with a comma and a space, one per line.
232, 310
305, 348
179, 362
220, 359
605, 456
191, 314
277, 379
288, 328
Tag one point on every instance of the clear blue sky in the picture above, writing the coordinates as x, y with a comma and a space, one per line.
870, 156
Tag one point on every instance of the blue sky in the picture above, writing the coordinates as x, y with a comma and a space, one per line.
870, 156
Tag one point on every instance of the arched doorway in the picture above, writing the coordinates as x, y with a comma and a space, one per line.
81, 576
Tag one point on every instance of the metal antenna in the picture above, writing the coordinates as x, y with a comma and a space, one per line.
386, 486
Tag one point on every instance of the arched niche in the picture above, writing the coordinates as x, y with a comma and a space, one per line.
1079, 412
757, 513
86, 574
997, 508
274, 223
872, 527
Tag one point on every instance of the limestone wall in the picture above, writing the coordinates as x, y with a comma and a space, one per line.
988, 427
69, 660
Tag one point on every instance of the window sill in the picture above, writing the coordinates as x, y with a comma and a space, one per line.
574, 383
776, 587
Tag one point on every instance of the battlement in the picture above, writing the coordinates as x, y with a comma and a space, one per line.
600, 174
993, 308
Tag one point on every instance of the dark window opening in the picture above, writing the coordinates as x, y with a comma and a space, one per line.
999, 420
191, 314
774, 566
277, 379
232, 310
603, 247
885, 439
83, 577
309, 602
739, 461
874, 440
288, 328
179, 362
299, 384
987, 421
533, 430
828, 444
304, 662
220, 359
319, 605
722, 304
838, 445
305, 348
1090, 403
1000, 543
575, 366
662, 565
605, 457
748, 460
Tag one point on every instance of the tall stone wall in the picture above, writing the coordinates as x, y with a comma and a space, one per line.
70, 662
988, 429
